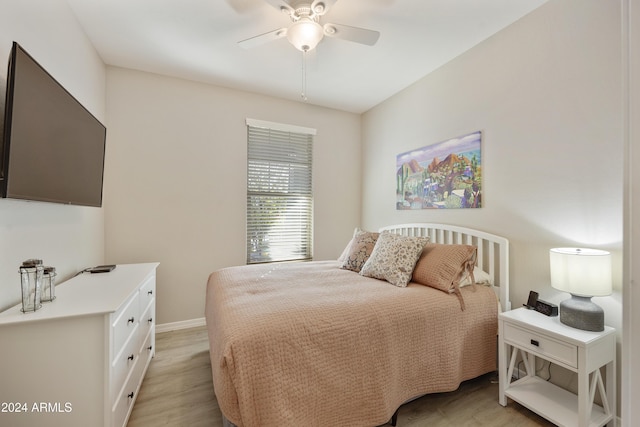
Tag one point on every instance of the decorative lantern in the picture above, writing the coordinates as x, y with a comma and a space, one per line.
48, 284
31, 272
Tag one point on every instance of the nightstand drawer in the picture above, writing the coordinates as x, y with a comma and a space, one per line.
541, 345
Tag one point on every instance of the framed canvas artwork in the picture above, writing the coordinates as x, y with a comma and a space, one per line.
446, 175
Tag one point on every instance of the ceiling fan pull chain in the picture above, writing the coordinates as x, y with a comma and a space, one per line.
304, 76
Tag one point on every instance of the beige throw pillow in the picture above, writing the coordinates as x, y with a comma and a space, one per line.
393, 258
442, 266
360, 248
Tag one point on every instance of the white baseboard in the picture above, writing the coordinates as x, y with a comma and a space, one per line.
184, 324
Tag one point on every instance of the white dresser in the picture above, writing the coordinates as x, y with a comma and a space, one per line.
80, 360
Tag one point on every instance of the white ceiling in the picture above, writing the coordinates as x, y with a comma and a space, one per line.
197, 40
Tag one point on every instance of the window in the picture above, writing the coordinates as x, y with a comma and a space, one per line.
279, 192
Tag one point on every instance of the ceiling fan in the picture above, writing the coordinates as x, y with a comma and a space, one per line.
306, 31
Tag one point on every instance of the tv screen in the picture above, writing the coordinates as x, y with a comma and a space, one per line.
53, 148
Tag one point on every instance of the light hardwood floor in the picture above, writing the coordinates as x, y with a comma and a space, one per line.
178, 391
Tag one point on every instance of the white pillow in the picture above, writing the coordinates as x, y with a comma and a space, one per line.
345, 251
481, 278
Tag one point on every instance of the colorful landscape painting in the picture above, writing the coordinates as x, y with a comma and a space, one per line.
446, 175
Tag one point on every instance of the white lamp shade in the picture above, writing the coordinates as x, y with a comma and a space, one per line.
305, 34
582, 272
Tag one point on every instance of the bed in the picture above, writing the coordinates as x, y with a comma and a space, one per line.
317, 344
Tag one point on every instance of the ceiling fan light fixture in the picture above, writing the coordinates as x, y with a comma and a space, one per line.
305, 34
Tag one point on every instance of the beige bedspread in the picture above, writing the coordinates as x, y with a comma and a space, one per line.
309, 344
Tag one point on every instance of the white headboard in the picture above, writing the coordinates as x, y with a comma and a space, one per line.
493, 251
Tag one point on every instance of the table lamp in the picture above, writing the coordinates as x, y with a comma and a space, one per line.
584, 273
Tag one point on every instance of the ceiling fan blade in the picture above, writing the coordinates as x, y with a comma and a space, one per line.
320, 7
263, 38
281, 5
354, 34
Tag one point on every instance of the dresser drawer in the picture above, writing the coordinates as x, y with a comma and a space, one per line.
147, 350
541, 345
124, 361
124, 322
147, 293
125, 399
147, 322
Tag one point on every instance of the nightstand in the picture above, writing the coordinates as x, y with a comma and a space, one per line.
534, 335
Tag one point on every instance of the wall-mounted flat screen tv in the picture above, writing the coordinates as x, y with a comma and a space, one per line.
52, 147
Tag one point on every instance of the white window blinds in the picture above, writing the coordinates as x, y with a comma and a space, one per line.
279, 194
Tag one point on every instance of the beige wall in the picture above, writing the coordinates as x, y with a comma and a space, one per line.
175, 184
69, 238
547, 94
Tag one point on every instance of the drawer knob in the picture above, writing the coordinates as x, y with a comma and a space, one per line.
535, 342
130, 357
150, 293
150, 348
150, 320
131, 320
130, 395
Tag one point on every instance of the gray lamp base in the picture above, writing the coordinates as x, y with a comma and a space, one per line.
581, 313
